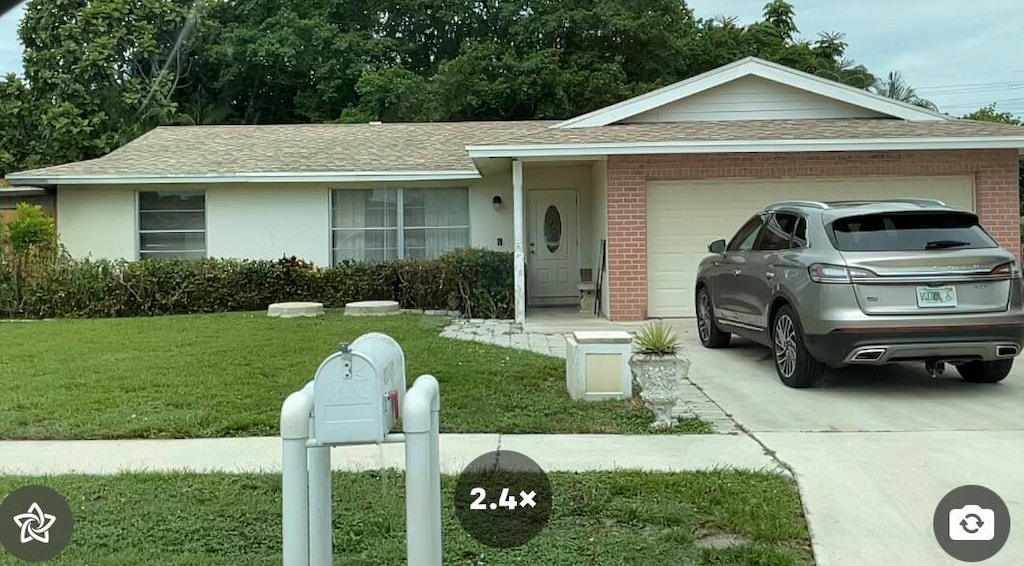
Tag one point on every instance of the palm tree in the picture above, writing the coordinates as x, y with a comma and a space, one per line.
895, 87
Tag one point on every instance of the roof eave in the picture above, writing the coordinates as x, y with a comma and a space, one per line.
745, 146
31, 178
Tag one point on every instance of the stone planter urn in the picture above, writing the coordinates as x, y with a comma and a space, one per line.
658, 377
658, 370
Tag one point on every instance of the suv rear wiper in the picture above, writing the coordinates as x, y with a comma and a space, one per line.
938, 244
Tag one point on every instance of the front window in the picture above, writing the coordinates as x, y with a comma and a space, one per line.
172, 225
915, 231
746, 235
387, 224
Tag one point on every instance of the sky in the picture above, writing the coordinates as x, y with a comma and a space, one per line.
960, 55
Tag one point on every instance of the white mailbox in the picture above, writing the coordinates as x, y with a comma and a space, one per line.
358, 391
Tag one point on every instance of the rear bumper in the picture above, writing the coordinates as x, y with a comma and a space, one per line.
863, 346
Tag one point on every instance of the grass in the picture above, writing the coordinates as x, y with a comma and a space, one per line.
605, 519
227, 375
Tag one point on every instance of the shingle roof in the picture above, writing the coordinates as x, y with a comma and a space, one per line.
441, 146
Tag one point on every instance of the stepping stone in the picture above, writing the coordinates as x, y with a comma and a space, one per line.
295, 310
372, 308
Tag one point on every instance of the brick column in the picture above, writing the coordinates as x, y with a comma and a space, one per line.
627, 237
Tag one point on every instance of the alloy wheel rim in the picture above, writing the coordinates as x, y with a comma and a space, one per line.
704, 317
785, 346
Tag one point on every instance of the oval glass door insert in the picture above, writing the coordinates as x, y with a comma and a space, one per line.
552, 229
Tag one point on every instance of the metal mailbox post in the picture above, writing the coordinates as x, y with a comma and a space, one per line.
355, 397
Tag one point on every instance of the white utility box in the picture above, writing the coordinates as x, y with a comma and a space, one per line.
358, 391
597, 365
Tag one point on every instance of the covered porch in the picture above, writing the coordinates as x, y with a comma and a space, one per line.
559, 218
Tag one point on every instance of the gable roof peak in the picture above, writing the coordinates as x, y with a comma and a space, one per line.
752, 67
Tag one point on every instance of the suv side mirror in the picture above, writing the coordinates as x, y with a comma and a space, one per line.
717, 247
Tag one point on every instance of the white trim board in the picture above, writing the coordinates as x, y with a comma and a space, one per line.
750, 146
752, 66
326, 177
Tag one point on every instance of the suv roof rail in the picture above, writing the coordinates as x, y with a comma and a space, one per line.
917, 201
921, 201
811, 203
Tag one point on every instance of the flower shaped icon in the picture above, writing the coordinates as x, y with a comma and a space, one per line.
35, 525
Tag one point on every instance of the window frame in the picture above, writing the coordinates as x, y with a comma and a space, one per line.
139, 231
400, 226
764, 231
802, 219
760, 217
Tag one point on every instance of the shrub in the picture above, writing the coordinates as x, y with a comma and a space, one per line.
29, 248
657, 339
477, 283
480, 282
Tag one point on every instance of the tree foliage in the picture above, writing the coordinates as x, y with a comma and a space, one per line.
991, 114
98, 74
896, 87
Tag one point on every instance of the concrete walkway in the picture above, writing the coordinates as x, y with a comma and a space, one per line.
670, 453
549, 340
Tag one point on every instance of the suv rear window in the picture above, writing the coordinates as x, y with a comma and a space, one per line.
910, 231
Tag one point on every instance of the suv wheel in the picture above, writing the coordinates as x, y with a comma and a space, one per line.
793, 363
985, 372
710, 335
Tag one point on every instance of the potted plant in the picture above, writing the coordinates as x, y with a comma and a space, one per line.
658, 370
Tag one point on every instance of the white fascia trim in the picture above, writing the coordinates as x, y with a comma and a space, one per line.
772, 146
353, 177
750, 67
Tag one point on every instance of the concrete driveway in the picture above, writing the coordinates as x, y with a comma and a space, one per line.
875, 450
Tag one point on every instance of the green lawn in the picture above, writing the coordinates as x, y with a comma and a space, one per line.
227, 375
607, 519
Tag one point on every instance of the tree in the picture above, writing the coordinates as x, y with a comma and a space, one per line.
102, 73
98, 74
990, 114
895, 87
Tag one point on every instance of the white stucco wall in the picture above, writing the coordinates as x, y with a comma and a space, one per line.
97, 222
268, 222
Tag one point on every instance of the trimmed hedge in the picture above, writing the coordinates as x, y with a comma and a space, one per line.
474, 282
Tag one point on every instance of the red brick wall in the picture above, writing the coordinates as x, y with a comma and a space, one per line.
995, 177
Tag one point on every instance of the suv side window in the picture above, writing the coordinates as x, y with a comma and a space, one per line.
777, 232
747, 235
799, 240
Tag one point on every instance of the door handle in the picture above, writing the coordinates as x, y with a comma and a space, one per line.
769, 274
737, 271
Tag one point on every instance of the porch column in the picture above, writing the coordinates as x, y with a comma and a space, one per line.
518, 229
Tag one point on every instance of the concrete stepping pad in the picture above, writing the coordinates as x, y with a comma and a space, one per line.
295, 310
372, 308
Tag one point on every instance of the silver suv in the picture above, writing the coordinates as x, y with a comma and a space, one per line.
868, 283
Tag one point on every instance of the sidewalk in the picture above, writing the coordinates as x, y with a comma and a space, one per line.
670, 453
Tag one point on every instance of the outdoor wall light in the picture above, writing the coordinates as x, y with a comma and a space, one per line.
496, 201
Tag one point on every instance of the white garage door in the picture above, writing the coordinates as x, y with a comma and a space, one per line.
683, 217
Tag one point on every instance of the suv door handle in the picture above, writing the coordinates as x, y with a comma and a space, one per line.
770, 274
737, 271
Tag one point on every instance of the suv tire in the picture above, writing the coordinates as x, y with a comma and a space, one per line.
985, 372
710, 335
794, 364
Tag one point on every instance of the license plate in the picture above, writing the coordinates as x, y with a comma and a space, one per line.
936, 297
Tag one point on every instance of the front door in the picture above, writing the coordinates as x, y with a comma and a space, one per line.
552, 247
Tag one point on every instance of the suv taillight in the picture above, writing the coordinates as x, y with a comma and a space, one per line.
828, 273
1008, 268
